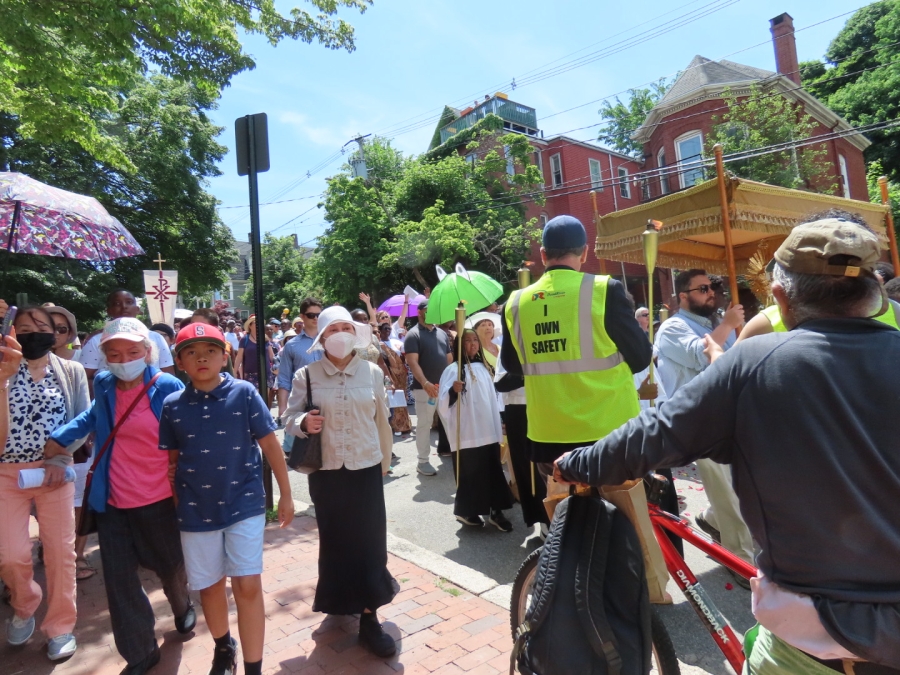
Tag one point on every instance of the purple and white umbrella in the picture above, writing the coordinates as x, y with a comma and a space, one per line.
394, 304
39, 219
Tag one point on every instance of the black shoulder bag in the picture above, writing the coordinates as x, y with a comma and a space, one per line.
306, 453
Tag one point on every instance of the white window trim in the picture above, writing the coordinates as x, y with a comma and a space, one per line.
562, 178
678, 141
845, 175
596, 184
663, 177
624, 184
510, 161
543, 220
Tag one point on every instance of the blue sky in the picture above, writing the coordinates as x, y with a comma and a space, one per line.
414, 56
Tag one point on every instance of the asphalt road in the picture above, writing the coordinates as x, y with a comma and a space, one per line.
420, 510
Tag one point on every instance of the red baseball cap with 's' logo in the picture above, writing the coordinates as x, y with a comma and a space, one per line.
198, 332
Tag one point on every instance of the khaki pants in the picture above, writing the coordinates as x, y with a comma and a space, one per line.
56, 520
724, 513
424, 419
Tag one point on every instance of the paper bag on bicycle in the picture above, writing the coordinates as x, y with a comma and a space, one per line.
557, 492
631, 499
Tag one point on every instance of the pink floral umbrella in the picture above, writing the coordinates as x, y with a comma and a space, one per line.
42, 220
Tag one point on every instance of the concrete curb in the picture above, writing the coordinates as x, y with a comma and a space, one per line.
465, 577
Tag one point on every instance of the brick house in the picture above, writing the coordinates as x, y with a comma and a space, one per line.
672, 134
675, 130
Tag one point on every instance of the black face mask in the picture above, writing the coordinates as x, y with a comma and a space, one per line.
36, 345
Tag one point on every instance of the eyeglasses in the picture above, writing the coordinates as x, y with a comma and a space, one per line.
703, 288
62, 330
311, 315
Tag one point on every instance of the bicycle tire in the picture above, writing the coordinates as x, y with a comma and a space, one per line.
664, 658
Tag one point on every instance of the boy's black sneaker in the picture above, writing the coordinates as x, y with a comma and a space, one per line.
373, 637
225, 659
498, 520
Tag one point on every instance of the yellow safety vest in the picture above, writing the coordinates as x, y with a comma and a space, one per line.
890, 317
577, 384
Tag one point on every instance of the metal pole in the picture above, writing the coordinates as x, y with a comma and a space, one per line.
726, 227
258, 294
650, 242
889, 225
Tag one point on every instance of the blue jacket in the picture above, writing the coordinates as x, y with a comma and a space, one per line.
100, 418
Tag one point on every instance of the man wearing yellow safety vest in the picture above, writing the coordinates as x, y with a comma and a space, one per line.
575, 339
770, 320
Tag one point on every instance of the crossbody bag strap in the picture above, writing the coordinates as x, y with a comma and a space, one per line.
115, 430
309, 401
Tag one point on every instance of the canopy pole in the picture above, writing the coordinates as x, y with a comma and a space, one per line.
593, 194
891, 234
726, 227
460, 331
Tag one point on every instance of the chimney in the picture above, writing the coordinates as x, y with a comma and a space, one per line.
786, 63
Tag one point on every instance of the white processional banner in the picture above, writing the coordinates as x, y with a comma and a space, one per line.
161, 288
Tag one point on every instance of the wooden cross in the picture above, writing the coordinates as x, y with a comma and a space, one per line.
159, 260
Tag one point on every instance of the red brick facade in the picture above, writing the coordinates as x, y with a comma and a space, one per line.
698, 118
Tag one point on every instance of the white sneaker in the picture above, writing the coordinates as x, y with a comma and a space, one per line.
61, 647
19, 630
544, 531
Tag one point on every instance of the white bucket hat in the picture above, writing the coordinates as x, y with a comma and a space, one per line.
340, 314
475, 319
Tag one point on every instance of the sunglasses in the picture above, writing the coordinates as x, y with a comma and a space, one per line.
311, 315
62, 330
644, 315
703, 288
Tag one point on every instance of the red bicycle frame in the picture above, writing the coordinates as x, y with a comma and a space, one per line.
696, 595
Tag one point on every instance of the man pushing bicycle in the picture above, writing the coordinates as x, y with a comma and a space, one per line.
815, 465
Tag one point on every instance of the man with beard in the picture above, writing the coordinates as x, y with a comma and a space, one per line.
680, 349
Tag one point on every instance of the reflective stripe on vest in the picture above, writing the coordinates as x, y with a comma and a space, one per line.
587, 362
891, 317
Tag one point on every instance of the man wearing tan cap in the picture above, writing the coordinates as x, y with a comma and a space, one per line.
815, 465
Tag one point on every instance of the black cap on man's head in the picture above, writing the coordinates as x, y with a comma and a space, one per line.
564, 232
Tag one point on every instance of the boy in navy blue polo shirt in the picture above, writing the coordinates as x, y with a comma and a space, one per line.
211, 430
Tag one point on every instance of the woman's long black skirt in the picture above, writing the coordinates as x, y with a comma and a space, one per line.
482, 485
533, 510
353, 573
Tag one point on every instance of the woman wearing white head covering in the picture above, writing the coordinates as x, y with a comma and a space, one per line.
348, 491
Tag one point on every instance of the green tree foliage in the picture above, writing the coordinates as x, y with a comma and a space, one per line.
414, 213
860, 79
762, 119
285, 281
623, 119
62, 64
171, 143
873, 173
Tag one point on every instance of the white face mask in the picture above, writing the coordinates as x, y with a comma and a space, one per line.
131, 370
340, 345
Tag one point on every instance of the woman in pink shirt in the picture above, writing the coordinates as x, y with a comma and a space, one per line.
130, 491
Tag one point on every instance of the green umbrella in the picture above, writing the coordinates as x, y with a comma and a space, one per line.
473, 289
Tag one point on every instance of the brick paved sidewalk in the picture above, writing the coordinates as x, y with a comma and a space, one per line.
439, 628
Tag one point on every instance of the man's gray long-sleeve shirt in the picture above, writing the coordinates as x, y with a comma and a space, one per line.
809, 422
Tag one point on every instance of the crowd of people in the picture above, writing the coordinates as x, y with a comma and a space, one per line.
154, 438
